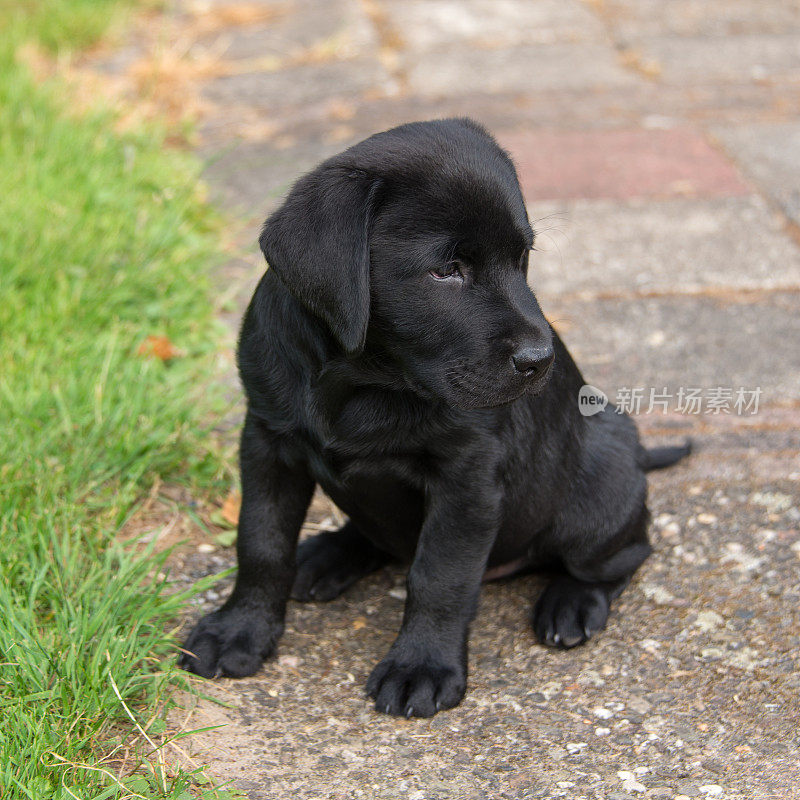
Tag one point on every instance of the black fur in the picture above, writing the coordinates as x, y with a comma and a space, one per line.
394, 354
660, 457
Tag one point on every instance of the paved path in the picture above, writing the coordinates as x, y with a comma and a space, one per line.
659, 150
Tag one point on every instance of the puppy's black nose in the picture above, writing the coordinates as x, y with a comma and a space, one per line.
532, 361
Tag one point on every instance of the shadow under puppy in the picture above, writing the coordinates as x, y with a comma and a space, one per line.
394, 354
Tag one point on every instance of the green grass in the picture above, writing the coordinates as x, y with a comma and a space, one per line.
62, 25
104, 240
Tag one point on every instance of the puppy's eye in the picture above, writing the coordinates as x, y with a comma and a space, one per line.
449, 271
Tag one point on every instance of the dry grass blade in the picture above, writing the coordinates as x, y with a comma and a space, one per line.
142, 731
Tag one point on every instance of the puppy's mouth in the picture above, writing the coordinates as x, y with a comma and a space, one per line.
475, 391
537, 385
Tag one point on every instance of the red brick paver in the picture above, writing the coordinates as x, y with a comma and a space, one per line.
620, 164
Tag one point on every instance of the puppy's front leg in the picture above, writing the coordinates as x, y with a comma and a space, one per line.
234, 640
426, 668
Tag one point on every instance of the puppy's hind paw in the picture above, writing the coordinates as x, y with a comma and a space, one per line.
331, 562
228, 643
569, 612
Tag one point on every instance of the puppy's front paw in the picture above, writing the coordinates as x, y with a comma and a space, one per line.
416, 689
229, 642
569, 612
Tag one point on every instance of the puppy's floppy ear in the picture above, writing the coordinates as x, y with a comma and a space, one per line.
318, 244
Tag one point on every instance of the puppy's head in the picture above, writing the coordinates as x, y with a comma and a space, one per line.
415, 243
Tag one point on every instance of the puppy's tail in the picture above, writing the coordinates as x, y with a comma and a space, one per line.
660, 457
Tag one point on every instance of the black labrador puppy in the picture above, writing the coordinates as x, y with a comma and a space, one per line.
394, 354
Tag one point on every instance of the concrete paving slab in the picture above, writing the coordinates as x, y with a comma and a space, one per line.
354, 119
278, 6
687, 246
644, 105
428, 24
462, 70
632, 19
336, 27
733, 59
251, 178
620, 164
770, 155
690, 342
278, 92
729, 448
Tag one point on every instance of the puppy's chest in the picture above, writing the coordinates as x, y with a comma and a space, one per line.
372, 432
